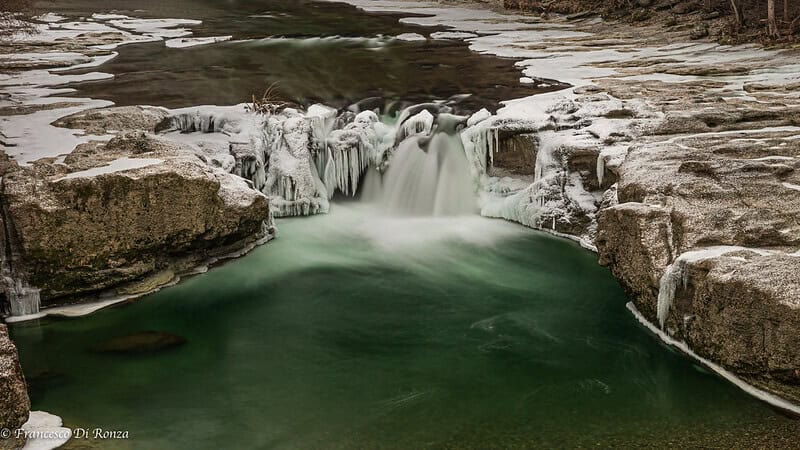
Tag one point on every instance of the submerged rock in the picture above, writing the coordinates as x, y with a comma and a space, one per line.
142, 342
14, 402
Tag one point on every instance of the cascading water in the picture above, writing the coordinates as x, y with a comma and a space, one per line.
23, 299
412, 162
427, 176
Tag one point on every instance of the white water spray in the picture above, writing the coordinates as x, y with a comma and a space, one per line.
427, 176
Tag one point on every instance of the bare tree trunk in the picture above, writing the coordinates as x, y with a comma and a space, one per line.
772, 24
736, 12
786, 11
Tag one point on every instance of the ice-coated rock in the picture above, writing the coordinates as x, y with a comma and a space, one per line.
97, 228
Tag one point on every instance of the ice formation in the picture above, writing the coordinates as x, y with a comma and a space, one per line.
300, 159
45, 431
677, 274
23, 299
422, 160
684, 347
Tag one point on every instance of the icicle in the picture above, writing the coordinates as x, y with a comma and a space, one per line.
490, 148
496, 142
421, 123
601, 169
24, 300
678, 274
666, 290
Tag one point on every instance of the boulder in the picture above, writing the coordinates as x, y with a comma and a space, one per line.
705, 239
155, 207
14, 402
111, 120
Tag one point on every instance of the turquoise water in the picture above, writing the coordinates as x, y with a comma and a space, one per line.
356, 331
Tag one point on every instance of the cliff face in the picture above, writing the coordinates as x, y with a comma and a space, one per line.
128, 214
14, 402
704, 238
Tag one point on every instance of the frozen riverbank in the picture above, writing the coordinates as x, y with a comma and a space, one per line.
660, 148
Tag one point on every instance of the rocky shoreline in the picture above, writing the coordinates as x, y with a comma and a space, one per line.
675, 160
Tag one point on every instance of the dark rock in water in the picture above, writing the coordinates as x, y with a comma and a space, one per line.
142, 342
40, 383
376, 104
44, 377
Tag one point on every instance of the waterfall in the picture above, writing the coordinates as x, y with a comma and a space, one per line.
426, 176
414, 161
22, 298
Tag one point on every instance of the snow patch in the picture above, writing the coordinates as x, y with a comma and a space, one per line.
42, 424
117, 165
676, 274
411, 37
791, 186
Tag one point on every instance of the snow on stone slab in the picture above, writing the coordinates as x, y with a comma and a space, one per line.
93, 62
109, 16
478, 116
33, 137
194, 42
164, 28
677, 275
684, 347
411, 37
83, 27
50, 18
47, 57
453, 35
45, 431
117, 165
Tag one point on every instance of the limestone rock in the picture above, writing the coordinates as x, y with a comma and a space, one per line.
110, 120
155, 207
695, 192
14, 402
